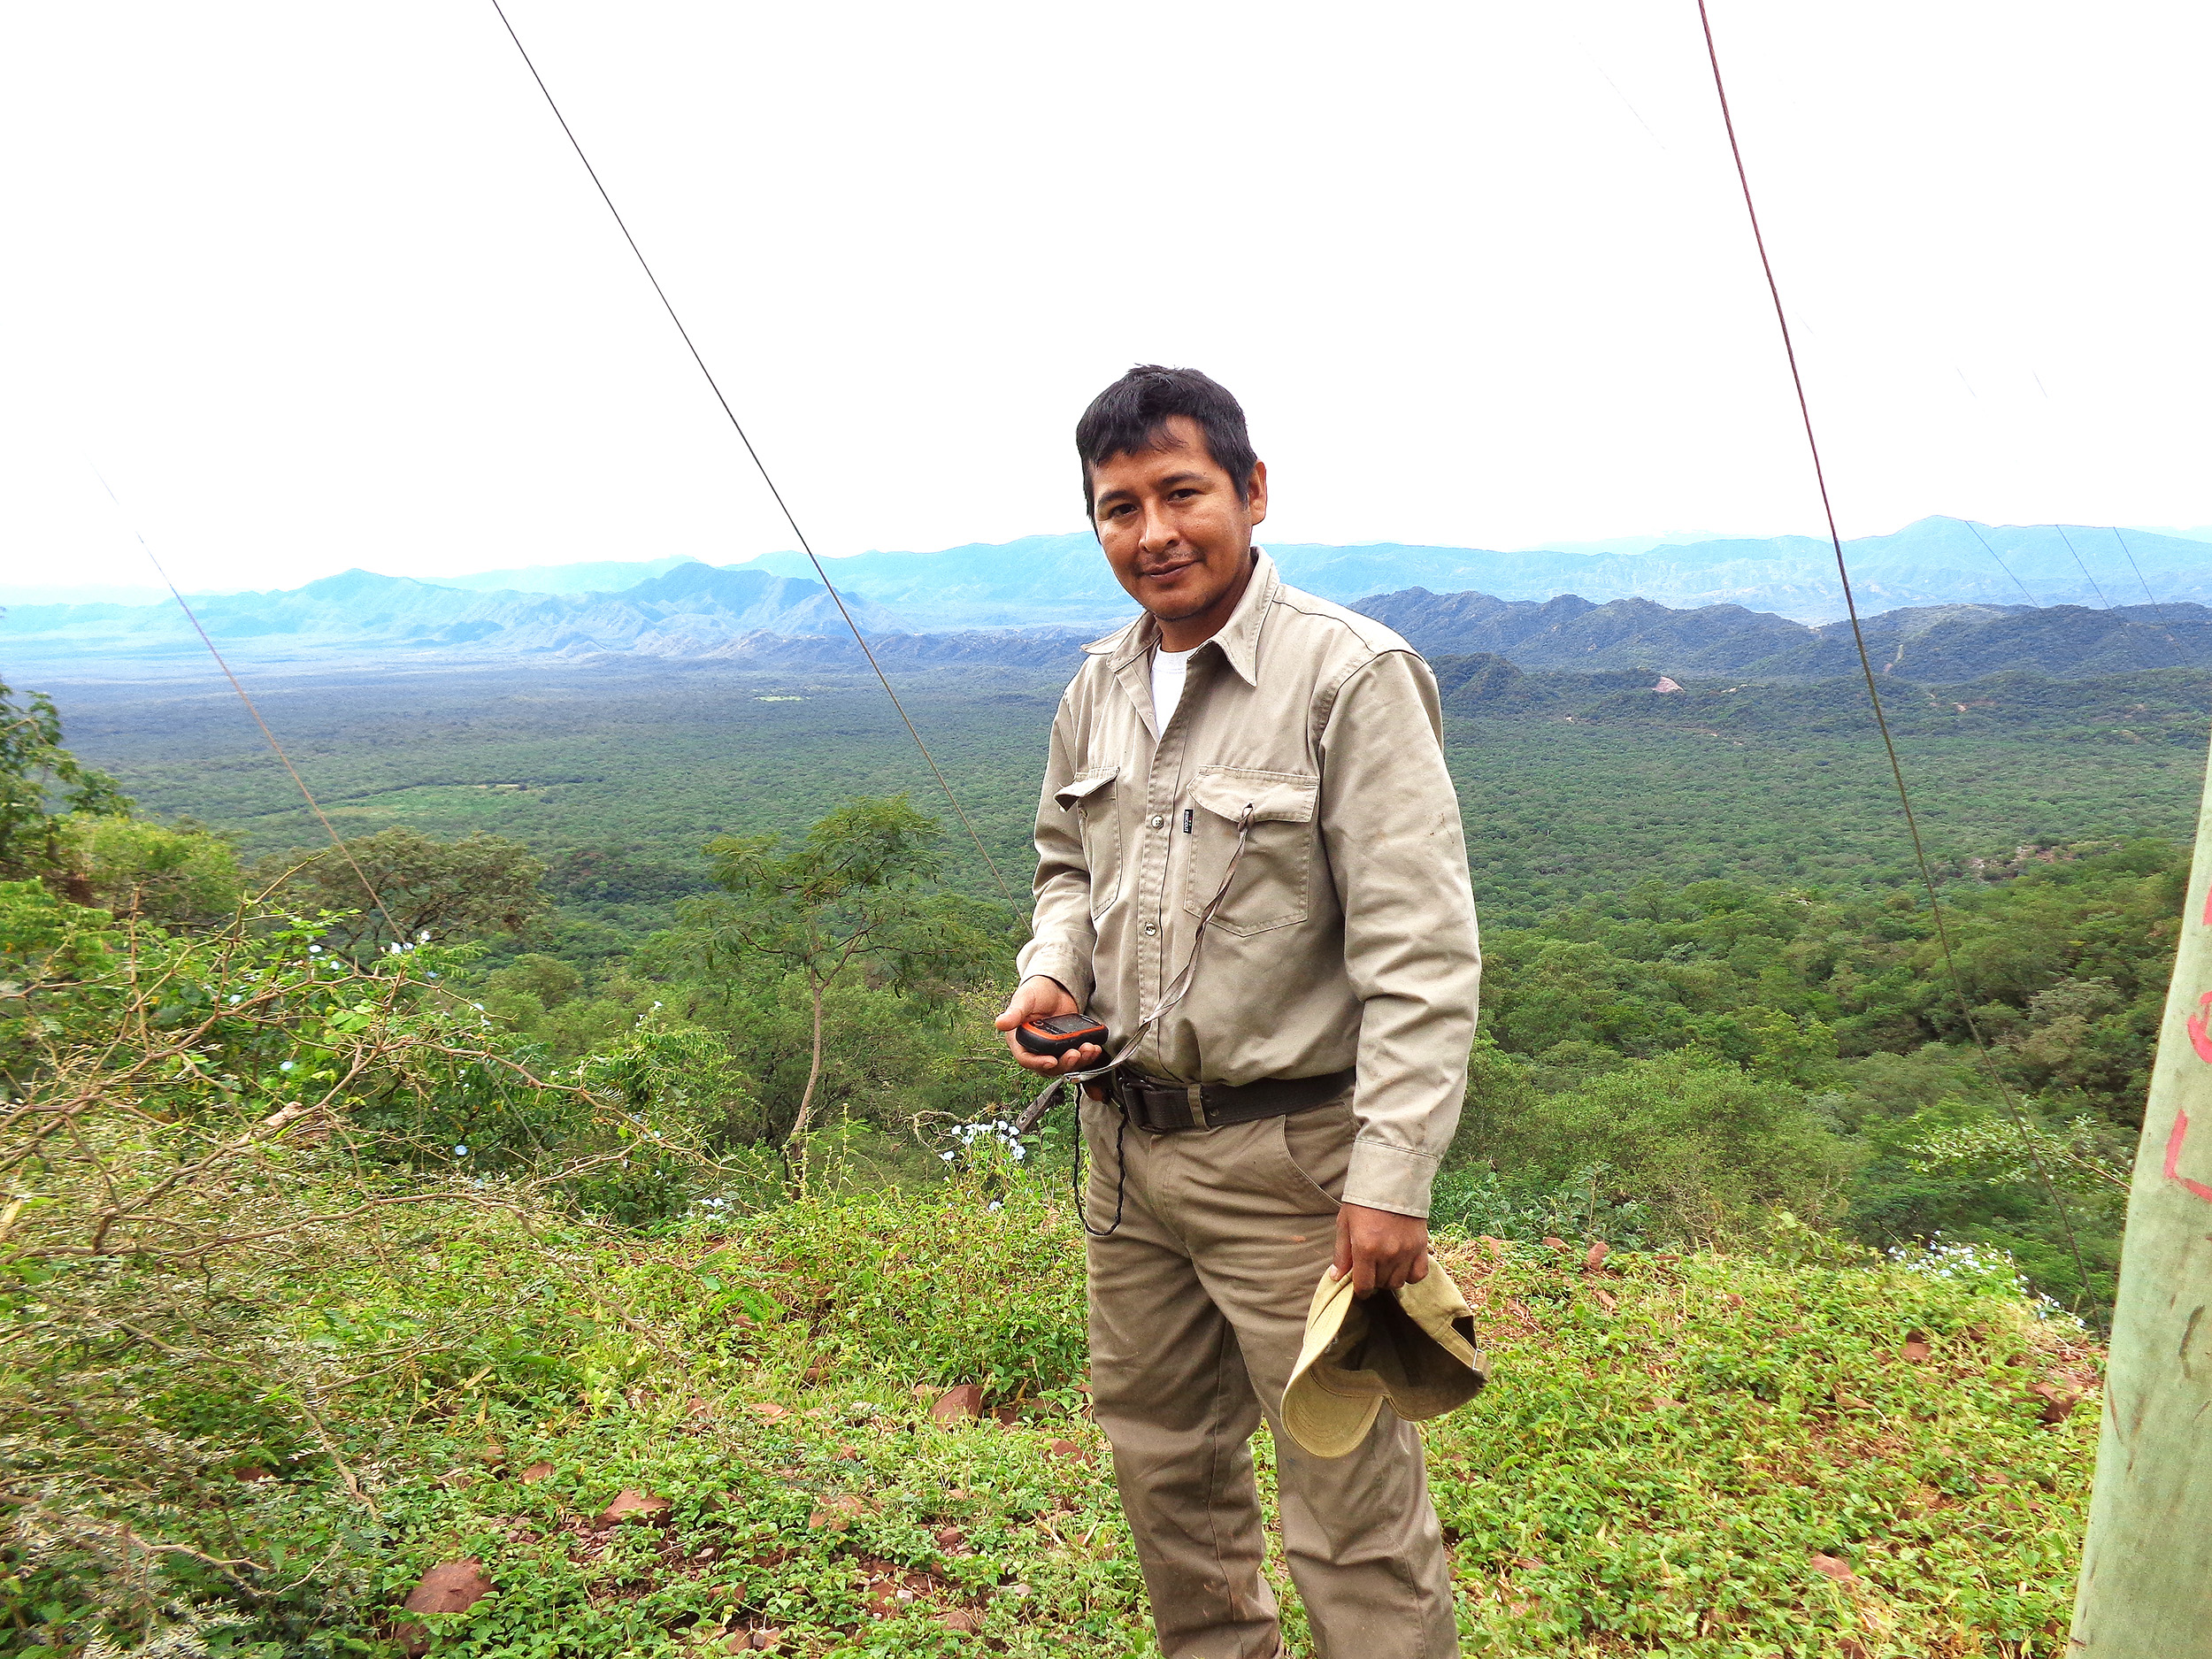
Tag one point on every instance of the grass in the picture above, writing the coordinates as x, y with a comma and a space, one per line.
1697, 1455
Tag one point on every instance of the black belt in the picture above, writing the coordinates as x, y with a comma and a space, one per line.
1159, 1107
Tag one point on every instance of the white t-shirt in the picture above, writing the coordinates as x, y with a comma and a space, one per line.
1168, 670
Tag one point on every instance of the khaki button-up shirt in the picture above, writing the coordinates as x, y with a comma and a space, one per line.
1347, 937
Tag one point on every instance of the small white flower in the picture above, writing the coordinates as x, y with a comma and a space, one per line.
460, 1152
314, 950
996, 1205
947, 1156
284, 1065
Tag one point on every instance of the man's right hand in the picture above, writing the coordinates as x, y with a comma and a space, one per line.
1040, 998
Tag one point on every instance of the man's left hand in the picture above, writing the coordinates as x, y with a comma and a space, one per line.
1381, 1249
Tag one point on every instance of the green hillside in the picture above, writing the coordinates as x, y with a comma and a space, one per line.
350, 1251
1571, 784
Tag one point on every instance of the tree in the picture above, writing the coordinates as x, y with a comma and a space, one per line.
41, 784
485, 884
855, 893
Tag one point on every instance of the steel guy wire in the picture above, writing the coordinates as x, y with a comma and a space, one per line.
2132, 566
1866, 667
2086, 577
759, 466
306, 793
2001, 566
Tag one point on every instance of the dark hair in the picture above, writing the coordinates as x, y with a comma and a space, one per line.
1128, 416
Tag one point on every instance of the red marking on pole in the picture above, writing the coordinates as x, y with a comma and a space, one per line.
2200, 1038
2207, 907
2173, 1159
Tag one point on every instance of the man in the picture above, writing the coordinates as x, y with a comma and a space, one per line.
1247, 751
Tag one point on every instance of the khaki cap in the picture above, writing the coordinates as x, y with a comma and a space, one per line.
1415, 1347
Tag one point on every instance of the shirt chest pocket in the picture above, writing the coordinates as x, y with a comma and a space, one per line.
1091, 797
1270, 886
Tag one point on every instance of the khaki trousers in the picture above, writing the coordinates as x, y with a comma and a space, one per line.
1197, 1311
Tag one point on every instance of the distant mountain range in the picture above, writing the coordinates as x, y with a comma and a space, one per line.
1640, 642
1934, 643
1053, 578
1761, 608
691, 610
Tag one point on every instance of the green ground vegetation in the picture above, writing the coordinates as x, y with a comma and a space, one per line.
335, 1254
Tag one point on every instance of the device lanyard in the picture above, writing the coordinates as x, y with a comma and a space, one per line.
1176, 990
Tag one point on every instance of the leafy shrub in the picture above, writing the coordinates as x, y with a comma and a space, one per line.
994, 1263
1704, 1148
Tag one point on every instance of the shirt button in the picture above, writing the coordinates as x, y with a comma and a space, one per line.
1158, 822
1150, 928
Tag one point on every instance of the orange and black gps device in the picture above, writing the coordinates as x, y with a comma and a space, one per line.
1056, 1035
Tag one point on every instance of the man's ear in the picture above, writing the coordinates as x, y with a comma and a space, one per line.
1256, 493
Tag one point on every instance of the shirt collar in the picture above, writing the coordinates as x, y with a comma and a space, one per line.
1239, 638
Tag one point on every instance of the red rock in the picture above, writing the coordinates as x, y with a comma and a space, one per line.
1598, 1251
538, 1471
950, 1538
452, 1586
699, 1411
887, 1596
1834, 1567
1915, 1350
959, 1404
1067, 1450
1559, 1245
961, 1620
836, 1513
1603, 1298
2058, 1403
632, 1505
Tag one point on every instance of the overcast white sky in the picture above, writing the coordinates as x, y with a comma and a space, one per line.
319, 285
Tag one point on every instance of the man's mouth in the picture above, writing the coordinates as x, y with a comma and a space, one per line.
1167, 572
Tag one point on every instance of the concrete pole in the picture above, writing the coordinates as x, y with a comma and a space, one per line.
2146, 1589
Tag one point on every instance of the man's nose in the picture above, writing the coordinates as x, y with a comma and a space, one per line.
1159, 534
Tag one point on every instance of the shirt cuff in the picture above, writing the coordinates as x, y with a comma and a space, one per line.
1057, 961
1384, 1177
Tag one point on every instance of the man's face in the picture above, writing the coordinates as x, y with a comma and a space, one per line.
1177, 536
